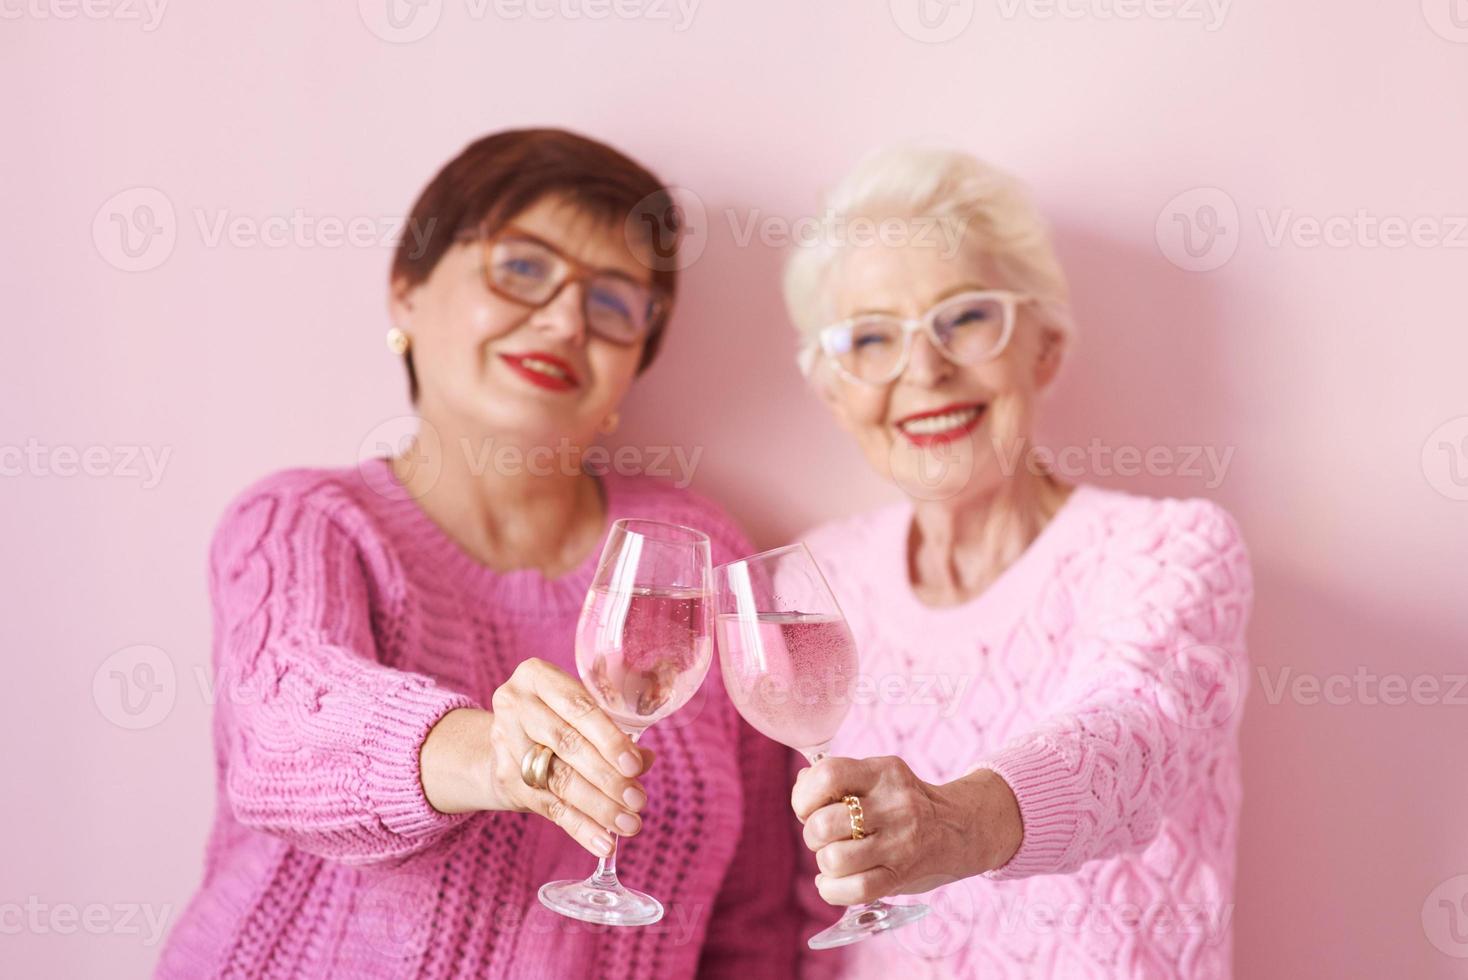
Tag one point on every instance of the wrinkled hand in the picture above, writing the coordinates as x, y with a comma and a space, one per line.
471, 758
918, 835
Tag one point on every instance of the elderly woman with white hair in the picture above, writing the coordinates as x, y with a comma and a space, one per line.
1045, 735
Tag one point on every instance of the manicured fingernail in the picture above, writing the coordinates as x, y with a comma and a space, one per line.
630, 763
635, 798
602, 845
627, 824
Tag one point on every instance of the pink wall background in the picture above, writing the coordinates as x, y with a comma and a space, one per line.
1333, 373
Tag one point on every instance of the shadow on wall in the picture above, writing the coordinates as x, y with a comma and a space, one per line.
1143, 404
1344, 829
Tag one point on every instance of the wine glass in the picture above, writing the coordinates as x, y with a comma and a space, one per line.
643, 647
789, 660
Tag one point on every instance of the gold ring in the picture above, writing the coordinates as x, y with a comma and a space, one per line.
853, 811
535, 766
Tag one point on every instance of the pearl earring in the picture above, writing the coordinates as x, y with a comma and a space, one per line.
397, 341
610, 423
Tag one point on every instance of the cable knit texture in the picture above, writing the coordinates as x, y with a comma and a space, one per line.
345, 625
1102, 675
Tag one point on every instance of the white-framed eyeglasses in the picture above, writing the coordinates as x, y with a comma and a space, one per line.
969, 328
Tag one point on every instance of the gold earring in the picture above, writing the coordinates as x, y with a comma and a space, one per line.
397, 341
610, 423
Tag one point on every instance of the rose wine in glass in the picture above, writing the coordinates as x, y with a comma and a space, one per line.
788, 661
643, 646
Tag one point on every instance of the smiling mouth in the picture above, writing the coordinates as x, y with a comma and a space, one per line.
944, 424
543, 370
544, 367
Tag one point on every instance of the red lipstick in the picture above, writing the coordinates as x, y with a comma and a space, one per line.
542, 379
949, 434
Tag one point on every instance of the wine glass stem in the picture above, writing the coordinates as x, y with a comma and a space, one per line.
606, 868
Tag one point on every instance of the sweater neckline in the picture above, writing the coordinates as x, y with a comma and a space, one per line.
527, 589
1010, 581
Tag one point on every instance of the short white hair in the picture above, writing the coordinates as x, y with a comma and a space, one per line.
990, 208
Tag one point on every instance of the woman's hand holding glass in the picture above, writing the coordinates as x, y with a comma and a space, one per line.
592, 783
924, 834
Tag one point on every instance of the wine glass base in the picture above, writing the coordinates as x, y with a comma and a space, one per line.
863, 921
608, 903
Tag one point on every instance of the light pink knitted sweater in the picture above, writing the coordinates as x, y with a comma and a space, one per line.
1103, 677
346, 625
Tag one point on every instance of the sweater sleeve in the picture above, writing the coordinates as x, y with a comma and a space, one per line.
1155, 704
317, 740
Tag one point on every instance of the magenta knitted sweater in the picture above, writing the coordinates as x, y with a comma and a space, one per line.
1103, 677
346, 624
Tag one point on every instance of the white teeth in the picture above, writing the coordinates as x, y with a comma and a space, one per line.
933, 424
541, 367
